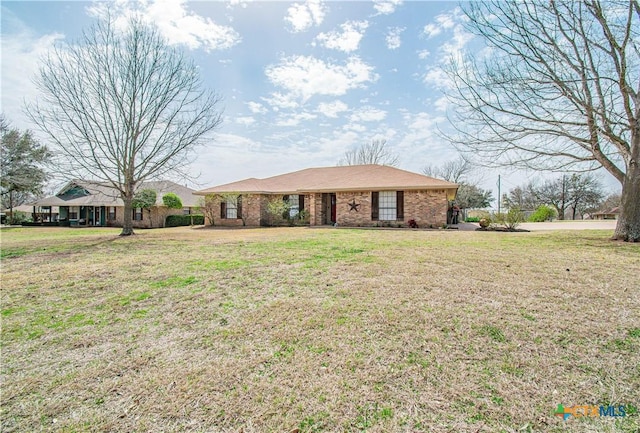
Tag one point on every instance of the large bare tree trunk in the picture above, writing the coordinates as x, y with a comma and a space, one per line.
628, 226
127, 223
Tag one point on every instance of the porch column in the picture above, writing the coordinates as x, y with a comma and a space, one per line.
312, 209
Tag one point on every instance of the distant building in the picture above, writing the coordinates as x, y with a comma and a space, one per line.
91, 203
612, 214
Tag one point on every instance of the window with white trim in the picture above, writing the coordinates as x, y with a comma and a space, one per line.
73, 212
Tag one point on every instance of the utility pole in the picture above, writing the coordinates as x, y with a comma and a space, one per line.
498, 193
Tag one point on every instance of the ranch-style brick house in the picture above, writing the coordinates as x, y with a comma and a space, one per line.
356, 196
90, 203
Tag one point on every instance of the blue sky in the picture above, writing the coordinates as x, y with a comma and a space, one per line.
302, 82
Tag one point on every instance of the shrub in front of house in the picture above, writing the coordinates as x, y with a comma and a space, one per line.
184, 220
19, 218
509, 220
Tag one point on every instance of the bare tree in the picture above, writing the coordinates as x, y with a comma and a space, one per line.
554, 193
585, 194
375, 152
459, 170
558, 89
123, 107
577, 192
456, 170
522, 197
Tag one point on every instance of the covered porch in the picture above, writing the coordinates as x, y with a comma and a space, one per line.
83, 216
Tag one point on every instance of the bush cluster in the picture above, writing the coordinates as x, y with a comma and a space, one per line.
510, 220
542, 213
184, 220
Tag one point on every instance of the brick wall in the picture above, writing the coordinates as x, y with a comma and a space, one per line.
347, 215
254, 211
427, 207
154, 220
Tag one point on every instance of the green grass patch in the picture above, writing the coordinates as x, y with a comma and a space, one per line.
175, 282
493, 332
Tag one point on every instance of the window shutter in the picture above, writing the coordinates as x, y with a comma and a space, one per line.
374, 205
399, 205
301, 202
239, 206
223, 209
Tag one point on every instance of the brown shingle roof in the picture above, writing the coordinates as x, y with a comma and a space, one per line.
332, 179
102, 194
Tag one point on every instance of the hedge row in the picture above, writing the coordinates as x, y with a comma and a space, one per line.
184, 220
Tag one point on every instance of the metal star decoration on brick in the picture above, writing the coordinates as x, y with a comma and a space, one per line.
353, 205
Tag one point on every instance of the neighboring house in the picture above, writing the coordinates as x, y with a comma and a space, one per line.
607, 215
356, 196
37, 213
90, 203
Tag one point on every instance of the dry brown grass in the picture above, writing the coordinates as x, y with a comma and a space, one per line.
317, 330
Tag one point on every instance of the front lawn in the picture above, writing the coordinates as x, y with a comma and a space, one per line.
273, 330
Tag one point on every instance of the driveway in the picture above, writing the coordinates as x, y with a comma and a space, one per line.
555, 225
571, 225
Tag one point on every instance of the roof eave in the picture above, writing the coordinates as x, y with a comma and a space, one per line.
381, 188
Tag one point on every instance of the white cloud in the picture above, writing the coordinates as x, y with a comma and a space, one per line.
245, 120
21, 54
393, 37
386, 7
302, 16
306, 76
420, 129
332, 109
357, 127
441, 104
451, 48
368, 114
347, 40
279, 101
295, 119
242, 3
432, 30
257, 108
438, 78
442, 22
423, 54
459, 41
176, 23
